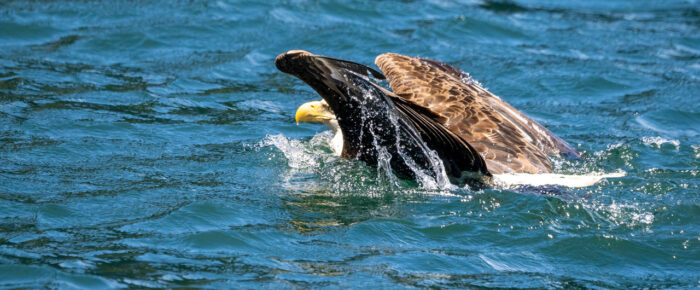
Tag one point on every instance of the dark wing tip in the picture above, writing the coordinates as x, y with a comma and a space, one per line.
288, 62
285, 61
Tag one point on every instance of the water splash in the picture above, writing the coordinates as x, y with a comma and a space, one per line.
298, 155
441, 180
469, 80
620, 214
658, 142
434, 177
313, 169
384, 170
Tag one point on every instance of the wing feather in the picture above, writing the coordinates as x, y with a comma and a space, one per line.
508, 140
456, 154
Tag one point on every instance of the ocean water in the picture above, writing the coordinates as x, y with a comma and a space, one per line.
153, 144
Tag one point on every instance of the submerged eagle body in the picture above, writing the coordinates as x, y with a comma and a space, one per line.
436, 117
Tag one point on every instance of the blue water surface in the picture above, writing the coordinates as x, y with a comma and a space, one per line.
153, 144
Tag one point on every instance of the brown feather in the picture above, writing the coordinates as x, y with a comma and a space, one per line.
508, 140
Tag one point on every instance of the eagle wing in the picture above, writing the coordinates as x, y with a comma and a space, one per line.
365, 112
507, 139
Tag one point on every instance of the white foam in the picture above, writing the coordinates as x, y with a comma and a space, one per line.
622, 213
517, 179
297, 154
658, 141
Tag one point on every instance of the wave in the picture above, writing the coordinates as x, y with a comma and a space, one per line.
658, 142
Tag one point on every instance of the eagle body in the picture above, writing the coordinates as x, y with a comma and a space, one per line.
337, 141
436, 117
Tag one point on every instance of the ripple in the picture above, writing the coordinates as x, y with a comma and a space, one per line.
153, 145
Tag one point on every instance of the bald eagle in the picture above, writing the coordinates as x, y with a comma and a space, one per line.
436, 117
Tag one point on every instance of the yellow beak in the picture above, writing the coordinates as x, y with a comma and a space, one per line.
313, 112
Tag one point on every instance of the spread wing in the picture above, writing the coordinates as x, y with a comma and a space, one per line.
508, 140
